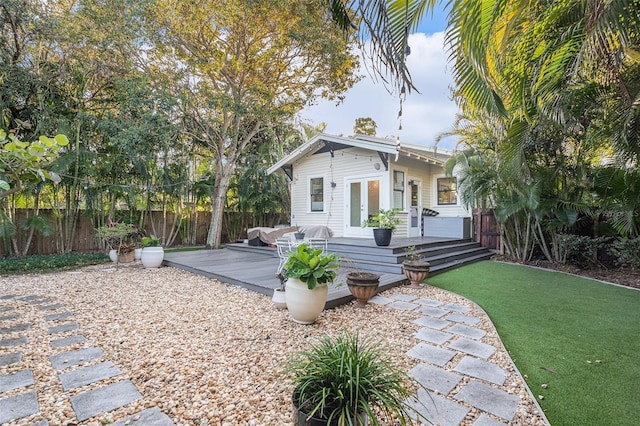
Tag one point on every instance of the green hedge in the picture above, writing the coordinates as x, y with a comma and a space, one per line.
49, 263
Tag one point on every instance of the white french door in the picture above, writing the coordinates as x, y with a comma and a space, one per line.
362, 201
415, 214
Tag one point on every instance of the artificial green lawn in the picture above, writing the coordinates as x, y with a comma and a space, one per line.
579, 336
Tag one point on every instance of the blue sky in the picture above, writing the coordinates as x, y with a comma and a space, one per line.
425, 114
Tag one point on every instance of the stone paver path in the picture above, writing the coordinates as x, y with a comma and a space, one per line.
455, 365
74, 369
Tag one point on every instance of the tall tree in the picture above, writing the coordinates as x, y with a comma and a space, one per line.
242, 65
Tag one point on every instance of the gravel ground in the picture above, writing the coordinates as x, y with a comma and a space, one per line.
208, 353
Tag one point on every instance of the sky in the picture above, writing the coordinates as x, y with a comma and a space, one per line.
425, 114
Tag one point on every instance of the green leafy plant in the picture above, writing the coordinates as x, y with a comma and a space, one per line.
150, 241
118, 236
50, 263
341, 379
311, 266
384, 219
627, 252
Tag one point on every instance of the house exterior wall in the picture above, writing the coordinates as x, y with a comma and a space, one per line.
352, 163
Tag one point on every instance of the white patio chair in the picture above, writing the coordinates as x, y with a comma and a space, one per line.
283, 245
317, 243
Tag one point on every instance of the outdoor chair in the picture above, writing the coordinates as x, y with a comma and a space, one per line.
317, 243
283, 245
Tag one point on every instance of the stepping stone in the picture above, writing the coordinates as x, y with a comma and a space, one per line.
7, 296
61, 315
403, 297
434, 378
18, 406
485, 420
14, 328
481, 350
9, 317
433, 336
380, 300
51, 307
38, 302
466, 319
68, 341
63, 328
10, 359
489, 399
79, 357
432, 312
7, 343
405, 306
30, 298
101, 400
88, 375
149, 417
437, 409
21, 379
470, 332
456, 307
431, 322
430, 353
481, 370
428, 302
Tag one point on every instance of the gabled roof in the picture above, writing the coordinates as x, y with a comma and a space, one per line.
323, 142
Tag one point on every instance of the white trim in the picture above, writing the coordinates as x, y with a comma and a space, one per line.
435, 192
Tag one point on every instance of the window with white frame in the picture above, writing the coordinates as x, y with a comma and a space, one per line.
316, 193
447, 191
398, 189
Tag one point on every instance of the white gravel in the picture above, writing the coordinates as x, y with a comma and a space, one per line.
204, 352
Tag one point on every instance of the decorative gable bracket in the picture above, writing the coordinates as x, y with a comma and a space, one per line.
384, 157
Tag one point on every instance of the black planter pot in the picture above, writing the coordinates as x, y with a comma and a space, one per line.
301, 417
382, 236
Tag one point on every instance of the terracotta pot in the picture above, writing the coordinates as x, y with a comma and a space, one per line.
416, 271
305, 305
363, 286
126, 257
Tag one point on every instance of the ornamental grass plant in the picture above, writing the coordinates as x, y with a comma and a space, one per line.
348, 378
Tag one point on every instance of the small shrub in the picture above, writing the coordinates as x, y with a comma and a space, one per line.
578, 249
49, 263
626, 251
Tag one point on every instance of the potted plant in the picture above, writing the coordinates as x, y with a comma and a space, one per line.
118, 237
299, 234
415, 267
308, 271
152, 252
363, 286
383, 223
278, 298
349, 380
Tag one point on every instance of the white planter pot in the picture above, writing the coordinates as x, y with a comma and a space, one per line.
278, 299
152, 257
137, 254
303, 304
113, 255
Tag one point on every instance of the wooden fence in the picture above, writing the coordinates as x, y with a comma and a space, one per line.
193, 230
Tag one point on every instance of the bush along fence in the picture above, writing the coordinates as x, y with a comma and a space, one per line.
188, 230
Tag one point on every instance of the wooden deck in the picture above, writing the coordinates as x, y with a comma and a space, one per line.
256, 271
255, 268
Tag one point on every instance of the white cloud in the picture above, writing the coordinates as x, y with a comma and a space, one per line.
425, 114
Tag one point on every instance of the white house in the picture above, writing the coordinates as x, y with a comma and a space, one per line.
339, 181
